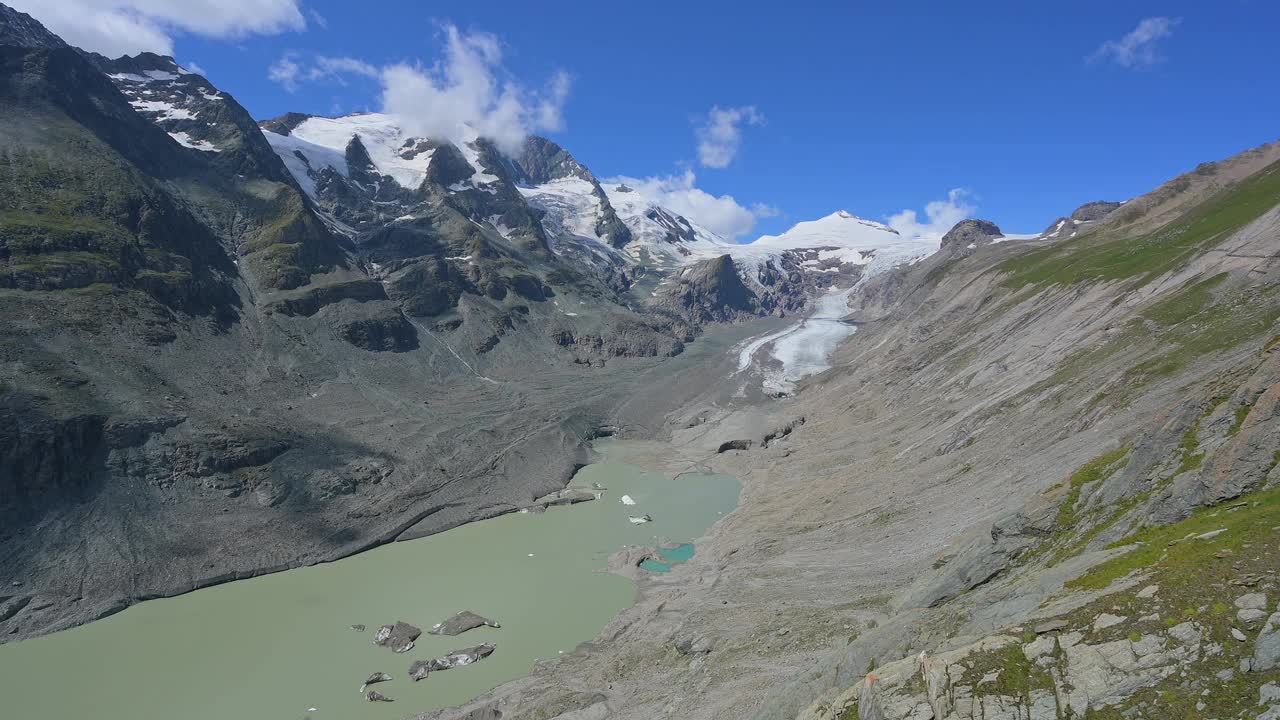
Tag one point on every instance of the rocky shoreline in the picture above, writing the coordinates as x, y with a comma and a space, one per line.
33, 607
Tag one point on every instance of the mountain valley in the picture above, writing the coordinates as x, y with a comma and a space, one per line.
984, 475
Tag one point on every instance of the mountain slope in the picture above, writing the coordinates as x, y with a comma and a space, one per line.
216, 367
1077, 430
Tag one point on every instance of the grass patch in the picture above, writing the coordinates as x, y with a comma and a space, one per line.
1241, 412
1015, 675
1110, 254
1189, 447
1174, 550
1231, 321
1065, 542
1099, 468
1184, 304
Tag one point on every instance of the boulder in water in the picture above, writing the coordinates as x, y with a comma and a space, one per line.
375, 696
419, 670
399, 637
455, 659
375, 678
462, 622
567, 496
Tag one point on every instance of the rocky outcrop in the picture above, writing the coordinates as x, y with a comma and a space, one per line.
375, 678
1066, 670
567, 496
622, 337
1266, 647
18, 29
983, 558
968, 235
399, 636
728, 445
454, 659
309, 300
373, 326
462, 622
46, 457
541, 160
711, 291
1093, 211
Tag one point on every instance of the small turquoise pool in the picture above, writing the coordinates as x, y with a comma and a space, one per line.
670, 556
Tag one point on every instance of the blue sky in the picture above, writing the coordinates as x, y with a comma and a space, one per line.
871, 107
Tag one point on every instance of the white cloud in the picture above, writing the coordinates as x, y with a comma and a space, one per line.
287, 72
193, 68
336, 66
469, 87
939, 216
1140, 48
720, 136
291, 71
121, 27
466, 91
761, 210
721, 214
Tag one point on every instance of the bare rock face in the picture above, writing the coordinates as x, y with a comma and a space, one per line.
373, 326
567, 496
375, 678
21, 30
462, 622
728, 445
1095, 210
1266, 649
712, 291
455, 659
969, 235
399, 637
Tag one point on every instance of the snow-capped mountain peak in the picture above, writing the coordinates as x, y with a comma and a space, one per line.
660, 231
839, 229
316, 143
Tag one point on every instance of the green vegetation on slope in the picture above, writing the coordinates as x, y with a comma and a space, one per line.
1185, 303
1065, 542
1110, 254
1234, 318
74, 214
1169, 335
1099, 468
1175, 551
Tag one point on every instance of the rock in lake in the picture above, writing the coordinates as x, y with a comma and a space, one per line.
375, 678
375, 696
462, 622
457, 658
419, 670
567, 496
399, 637
358, 628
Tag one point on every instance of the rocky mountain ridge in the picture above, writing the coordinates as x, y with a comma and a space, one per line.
285, 343
1040, 483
